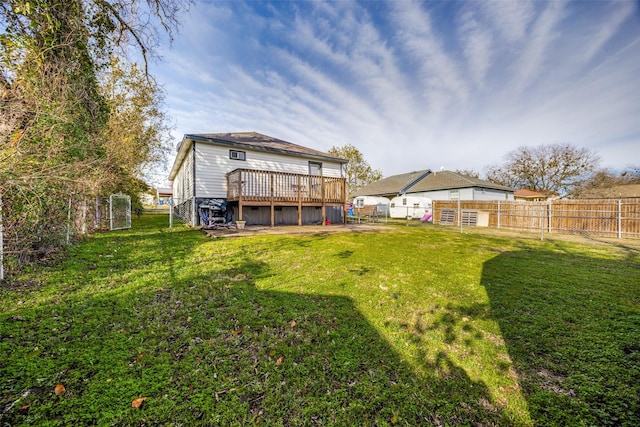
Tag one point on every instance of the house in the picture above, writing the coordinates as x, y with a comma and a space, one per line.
257, 178
529, 195
441, 185
164, 196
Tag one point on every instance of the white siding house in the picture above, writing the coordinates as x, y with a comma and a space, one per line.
441, 185
205, 162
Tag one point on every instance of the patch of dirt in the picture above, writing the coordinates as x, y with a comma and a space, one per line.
253, 230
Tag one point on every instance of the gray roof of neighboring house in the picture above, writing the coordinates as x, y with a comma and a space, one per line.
391, 185
253, 141
422, 181
444, 180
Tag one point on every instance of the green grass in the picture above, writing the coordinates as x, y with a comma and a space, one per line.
418, 325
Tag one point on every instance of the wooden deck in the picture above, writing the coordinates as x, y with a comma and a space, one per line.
250, 187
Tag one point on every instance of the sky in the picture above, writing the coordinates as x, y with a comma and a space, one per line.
413, 85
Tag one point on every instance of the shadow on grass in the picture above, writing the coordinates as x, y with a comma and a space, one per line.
571, 326
204, 346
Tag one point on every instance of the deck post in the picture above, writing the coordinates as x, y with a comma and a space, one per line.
324, 202
271, 196
240, 195
299, 200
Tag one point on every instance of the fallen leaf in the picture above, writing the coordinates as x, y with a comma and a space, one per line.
236, 331
465, 319
138, 402
279, 361
293, 323
59, 390
139, 357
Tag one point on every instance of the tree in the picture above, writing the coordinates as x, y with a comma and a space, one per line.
137, 133
58, 114
602, 181
358, 171
631, 175
468, 172
548, 169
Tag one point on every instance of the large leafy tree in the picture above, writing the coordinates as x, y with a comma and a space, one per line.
549, 169
59, 108
137, 134
358, 171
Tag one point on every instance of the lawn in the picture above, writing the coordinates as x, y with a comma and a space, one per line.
418, 325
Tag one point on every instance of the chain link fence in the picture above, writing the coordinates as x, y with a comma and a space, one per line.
25, 238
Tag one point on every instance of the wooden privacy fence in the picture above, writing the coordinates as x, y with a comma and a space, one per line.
599, 217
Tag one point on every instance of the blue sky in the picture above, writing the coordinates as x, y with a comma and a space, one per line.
413, 85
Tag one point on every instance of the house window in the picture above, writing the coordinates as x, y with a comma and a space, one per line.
315, 168
237, 155
454, 194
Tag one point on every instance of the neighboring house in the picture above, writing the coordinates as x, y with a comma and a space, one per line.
257, 178
164, 196
529, 195
392, 186
442, 185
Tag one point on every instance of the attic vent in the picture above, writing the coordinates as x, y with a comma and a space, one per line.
237, 155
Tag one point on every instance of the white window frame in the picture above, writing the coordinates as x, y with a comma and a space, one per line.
237, 155
315, 165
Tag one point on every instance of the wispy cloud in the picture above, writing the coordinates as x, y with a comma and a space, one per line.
412, 84
477, 45
438, 75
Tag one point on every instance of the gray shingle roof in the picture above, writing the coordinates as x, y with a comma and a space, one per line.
441, 180
258, 141
390, 185
444, 180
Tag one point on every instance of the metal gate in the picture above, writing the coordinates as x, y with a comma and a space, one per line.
119, 211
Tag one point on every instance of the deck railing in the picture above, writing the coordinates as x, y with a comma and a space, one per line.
247, 185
